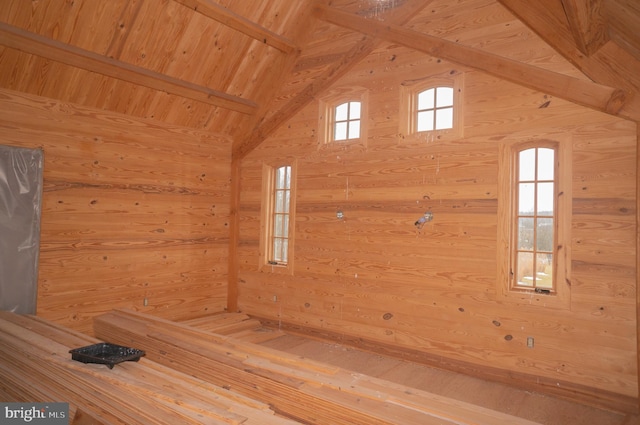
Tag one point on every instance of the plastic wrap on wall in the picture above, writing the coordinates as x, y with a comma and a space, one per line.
20, 207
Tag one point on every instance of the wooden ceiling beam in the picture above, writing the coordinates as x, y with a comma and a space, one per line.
587, 23
596, 96
239, 23
397, 15
611, 65
35, 44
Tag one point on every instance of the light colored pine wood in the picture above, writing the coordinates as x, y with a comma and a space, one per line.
132, 210
36, 363
312, 391
523, 403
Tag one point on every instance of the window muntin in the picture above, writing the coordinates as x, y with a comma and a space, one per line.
434, 109
279, 235
346, 121
535, 220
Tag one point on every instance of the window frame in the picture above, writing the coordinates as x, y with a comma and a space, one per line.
268, 205
326, 117
507, 289
409, 91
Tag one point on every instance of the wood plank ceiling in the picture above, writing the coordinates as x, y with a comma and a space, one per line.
242, 68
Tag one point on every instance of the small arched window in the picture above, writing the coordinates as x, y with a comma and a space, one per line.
432, 109
342, 118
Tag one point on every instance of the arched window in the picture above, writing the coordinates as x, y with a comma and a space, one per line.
432, 109
534, 219
534, 222
278, 216
342, 118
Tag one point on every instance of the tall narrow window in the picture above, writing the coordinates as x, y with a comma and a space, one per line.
434, 109
534, 222
278, 216
535, 219
346, 121
281, 213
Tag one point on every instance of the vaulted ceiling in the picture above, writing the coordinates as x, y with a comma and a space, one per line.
243, 67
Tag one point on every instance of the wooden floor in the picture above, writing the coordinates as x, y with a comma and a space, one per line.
525, 404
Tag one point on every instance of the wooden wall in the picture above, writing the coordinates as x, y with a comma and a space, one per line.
132, 210
373, 277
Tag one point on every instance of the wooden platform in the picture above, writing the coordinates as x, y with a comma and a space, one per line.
537, 407
306, 390
241, 326
35, 366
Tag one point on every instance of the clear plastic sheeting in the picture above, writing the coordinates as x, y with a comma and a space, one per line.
20, 207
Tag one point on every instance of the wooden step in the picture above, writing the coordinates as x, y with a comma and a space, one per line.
238, 325
309, 391
35, 365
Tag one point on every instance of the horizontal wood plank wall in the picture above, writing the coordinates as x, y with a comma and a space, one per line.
132, 210
374, 276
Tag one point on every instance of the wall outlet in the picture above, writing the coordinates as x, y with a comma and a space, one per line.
145, 302
275, 298
530, 342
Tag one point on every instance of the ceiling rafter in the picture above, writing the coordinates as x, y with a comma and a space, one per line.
587, 23
35, 44
610, 65
239, 23
596, 96
361, 50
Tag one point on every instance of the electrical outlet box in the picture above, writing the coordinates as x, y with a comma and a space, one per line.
530, 342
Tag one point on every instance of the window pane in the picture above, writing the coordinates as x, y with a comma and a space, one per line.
280, 206
526, 196
277, 249
278, 225
288, 178
425, 121
281, 178
544, 234
524, 272
545, 164
426, 100
444, 118
286, 196
354, 110
544, 274
527, 163
340, 131
444, 97
525, 234
284, 257
354, 129
342, 112
545, 198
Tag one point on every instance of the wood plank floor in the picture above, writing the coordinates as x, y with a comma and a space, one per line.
500, 397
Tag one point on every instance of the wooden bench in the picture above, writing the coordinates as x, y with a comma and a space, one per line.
305, 390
